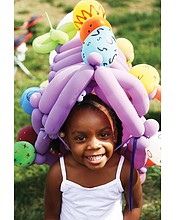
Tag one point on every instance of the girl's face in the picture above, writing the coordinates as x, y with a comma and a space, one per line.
90, 135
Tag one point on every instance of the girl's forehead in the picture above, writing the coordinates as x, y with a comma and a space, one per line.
91, 115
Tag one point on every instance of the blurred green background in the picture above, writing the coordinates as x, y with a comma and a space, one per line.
136, 20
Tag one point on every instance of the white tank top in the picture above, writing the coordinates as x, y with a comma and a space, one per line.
102, 202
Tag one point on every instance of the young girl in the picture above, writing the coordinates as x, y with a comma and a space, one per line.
88, 182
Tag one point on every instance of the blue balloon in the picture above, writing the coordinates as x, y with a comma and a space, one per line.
25, 99
102, 41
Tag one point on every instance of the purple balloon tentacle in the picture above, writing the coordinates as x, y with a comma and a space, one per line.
68, 61
67, 53
119, 100
68, 98
123, 63
36, 120
40, 159
126, 135
118, 65
101, 95
135, 89
54, 88
42, 143
121, 54
75, 42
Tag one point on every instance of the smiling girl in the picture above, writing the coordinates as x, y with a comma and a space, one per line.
88, 182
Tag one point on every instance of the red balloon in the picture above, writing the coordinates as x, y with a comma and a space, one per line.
28, 134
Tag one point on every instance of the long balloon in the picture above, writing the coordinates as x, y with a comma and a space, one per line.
67, 99
136, 90
119, 101
53, 90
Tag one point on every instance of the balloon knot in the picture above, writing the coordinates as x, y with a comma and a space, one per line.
95, 59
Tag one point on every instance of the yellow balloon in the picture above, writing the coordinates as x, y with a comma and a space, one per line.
86, 9
44, 84
148, 75
127, 48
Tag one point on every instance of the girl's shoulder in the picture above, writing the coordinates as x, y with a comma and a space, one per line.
55, 172
125, 172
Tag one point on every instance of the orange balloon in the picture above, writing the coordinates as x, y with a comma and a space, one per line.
158, 93
91, 24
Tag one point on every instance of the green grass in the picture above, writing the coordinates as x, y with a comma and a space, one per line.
143, 30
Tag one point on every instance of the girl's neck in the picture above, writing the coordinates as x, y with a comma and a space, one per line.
85, 177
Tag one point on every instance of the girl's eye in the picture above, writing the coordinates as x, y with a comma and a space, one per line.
80, 138
104, 135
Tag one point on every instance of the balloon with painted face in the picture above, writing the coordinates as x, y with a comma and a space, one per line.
97, 36
85, 10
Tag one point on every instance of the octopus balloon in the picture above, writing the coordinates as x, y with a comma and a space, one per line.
78, 70
70, 79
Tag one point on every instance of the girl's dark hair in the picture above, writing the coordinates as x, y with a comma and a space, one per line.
94, 102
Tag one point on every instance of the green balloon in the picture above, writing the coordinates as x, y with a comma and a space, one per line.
24, 153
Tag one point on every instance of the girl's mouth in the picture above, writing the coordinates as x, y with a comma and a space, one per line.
95, 158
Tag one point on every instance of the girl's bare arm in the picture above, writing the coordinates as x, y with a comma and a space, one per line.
136, 196
52, 199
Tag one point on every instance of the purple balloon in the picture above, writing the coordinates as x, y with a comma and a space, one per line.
37, 120
119, 101
67, 99
54, 89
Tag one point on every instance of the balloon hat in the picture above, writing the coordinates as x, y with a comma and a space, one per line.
102, 68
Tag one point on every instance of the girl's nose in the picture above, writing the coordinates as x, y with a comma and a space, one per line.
94, 144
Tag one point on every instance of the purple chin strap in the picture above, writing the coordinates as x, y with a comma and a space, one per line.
131, 176
131, 171
66, 145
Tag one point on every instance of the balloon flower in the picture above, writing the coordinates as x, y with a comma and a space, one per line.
49, 41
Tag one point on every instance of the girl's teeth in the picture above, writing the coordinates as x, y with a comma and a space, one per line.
95, 158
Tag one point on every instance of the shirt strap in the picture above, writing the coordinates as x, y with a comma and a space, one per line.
63, 171
119, 167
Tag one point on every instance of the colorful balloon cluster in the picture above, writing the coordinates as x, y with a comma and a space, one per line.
104, 67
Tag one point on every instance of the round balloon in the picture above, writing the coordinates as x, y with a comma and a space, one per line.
25, 99
154, 150
127, 48
28, 134
100, 40
86, 9
89, 26
148, 75
24, 153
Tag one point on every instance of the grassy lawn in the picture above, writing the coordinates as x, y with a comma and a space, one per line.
136, 20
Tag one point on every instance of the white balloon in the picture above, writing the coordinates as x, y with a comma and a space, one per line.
154, 149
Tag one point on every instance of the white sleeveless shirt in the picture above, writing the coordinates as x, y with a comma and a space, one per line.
102, 202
